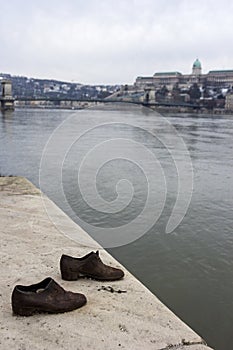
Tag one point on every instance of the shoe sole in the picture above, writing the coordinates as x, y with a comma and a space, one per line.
75, 277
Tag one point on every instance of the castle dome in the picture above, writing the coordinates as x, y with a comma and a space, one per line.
197, 64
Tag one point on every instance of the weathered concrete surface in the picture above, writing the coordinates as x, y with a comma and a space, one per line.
31, 247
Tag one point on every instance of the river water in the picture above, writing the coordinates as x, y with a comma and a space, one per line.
191, 268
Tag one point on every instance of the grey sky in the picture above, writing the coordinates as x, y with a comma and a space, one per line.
113, 41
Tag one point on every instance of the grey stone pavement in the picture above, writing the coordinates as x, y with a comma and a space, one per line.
31, 246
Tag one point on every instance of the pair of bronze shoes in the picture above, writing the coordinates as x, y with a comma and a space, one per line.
49, 296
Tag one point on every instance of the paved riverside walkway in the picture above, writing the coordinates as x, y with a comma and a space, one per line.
31, 247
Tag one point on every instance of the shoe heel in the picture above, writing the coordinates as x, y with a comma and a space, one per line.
70, 275
24, 312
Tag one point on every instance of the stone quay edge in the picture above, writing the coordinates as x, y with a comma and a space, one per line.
31, 249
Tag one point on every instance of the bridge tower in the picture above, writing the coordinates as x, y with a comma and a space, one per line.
6, 100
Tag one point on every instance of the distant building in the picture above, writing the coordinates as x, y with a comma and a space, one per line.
220, 77
214, 78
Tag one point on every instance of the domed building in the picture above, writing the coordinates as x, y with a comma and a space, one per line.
214, 78
196, 67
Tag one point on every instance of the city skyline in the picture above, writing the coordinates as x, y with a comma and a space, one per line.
108, 42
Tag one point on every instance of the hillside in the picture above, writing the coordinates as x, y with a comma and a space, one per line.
24, 87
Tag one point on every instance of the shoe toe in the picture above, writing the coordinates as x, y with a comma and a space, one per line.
120, 273
80, 300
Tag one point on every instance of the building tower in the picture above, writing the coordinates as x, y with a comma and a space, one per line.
196, 67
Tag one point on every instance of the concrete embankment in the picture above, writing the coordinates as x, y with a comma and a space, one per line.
31, 246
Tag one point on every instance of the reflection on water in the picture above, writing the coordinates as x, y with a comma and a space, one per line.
190, 270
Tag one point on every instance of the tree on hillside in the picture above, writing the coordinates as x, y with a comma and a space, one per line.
176, 92
161, 93
194, 92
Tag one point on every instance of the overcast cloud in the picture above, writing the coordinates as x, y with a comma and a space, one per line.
113, 41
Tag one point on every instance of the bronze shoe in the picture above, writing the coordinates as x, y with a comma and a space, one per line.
89, 265
45, 296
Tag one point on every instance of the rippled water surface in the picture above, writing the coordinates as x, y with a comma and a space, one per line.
191, 269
